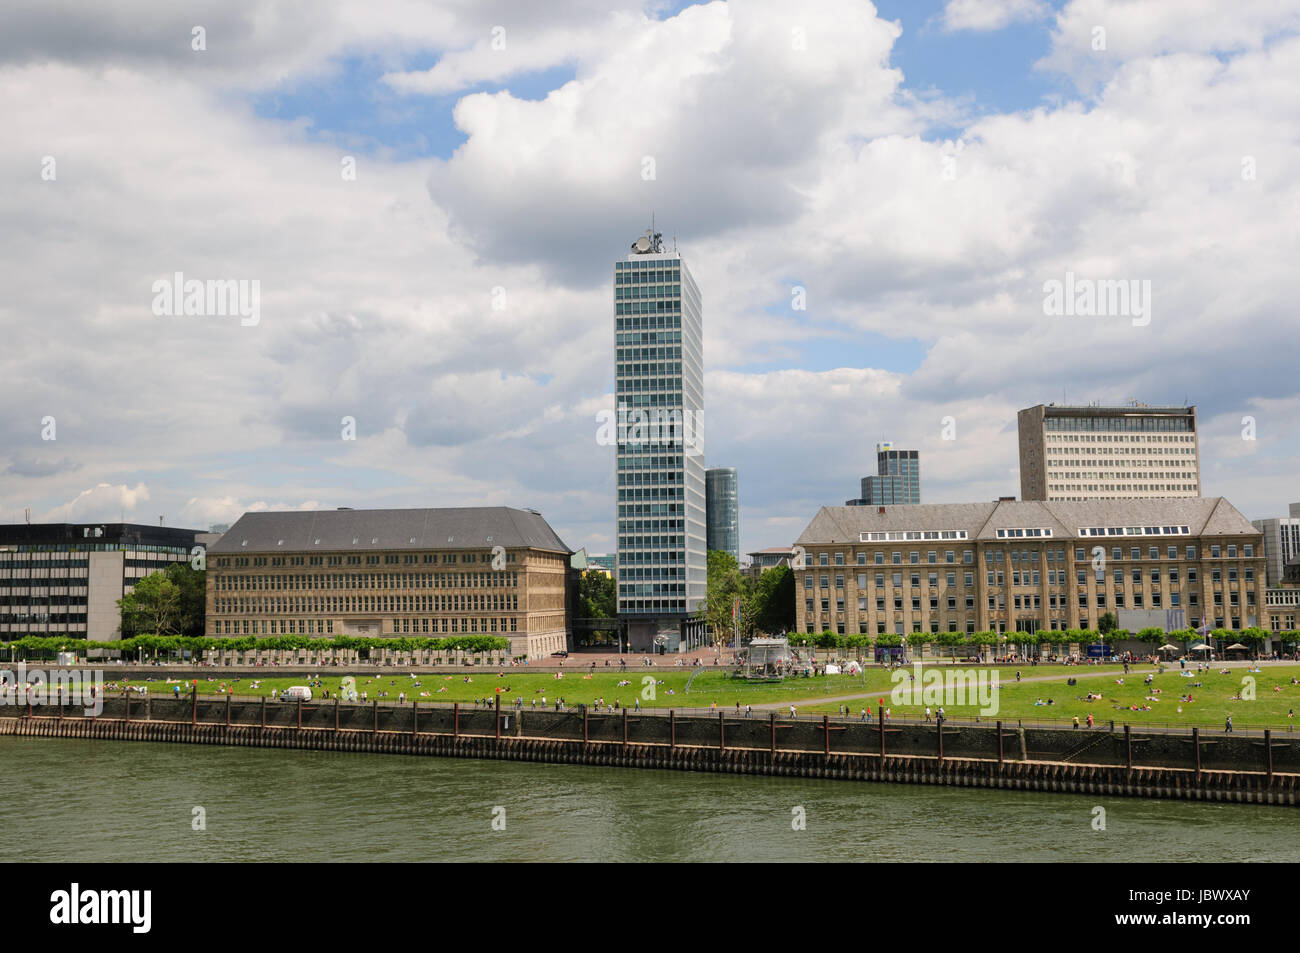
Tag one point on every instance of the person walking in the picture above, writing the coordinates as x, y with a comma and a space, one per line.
1076, 721
1227, 725
1089, 719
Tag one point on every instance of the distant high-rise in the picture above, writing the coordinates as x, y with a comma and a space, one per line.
722, 510
1281, 543
659, 389
1108, 453
897, 478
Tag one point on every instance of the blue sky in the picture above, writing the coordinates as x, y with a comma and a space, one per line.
777, 169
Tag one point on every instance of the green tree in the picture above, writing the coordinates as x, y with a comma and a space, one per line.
597, 595
194, 597
774, 600
1107, 623
154, 607
725, 584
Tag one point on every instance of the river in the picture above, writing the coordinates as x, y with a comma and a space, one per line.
74, 800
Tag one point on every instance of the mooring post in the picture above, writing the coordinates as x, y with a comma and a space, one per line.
1128, 748
498, 698
881, 719
826, 735
128, 706
455, 721
299, 713
375, 729
586, 734
1268, 750
624, 727
672, 728
336, 712
263, 711
722, 732
1000, 757
415, 716
771, 717
1196, 743
939, 730
148, 708
228, 711
194, 704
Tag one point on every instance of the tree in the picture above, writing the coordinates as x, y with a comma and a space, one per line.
153, 608
774, 600
194, 597
597, 598
725, 584
597, 595
1107, 623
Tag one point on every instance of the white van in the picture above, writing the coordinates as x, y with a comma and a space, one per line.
295, 692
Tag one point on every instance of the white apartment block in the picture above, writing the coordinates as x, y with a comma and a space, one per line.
1108, 453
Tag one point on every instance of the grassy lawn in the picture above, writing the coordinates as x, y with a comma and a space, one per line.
1210, 704
575, 687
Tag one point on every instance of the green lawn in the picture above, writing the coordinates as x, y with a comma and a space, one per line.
575, 687
1210, 704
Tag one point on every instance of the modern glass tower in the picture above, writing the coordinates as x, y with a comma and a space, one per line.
659, 391
897, 479
722, 510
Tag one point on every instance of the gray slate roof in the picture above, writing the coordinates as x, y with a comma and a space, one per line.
470, 527
1204, 516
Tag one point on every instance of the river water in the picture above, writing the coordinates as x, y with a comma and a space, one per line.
135, 801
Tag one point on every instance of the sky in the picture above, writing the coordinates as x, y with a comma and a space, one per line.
428, 199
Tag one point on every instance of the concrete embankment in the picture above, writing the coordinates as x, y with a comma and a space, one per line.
1199, 766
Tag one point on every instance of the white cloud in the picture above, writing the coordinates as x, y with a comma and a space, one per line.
782, 158
984, 15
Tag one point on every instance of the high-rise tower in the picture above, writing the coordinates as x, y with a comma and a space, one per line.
659, 391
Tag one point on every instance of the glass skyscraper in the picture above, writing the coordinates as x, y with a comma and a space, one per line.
659, 392
722, 510
897, 479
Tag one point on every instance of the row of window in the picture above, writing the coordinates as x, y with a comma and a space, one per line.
460, 602
1217, 551
479, 626
1033, 577
378, 559
504, 579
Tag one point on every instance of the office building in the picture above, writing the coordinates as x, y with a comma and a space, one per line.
407, 572
1281, 542
659, 390
1108, 453
897, 479
66, 578
722, 510
1023, 566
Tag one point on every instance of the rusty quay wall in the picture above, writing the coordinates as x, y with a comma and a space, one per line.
1100, 762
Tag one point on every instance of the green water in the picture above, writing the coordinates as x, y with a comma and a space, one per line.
133, 801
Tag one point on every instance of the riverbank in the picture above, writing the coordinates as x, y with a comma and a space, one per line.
1100, 762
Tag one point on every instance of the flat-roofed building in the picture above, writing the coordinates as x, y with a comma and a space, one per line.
1012, 566
1108, 453
402, 572
66, 578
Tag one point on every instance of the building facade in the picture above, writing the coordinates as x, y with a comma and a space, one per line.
1023, 566
1108, 453
1281, 542
897, 479
722, 508
659, 468
410, 572
66, 578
